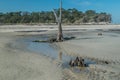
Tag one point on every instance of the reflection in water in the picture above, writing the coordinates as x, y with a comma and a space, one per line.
60, 56
49, 50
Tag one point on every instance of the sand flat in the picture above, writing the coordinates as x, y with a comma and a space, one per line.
19, 64
99, 49
22, 65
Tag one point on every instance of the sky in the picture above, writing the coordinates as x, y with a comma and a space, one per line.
109, 6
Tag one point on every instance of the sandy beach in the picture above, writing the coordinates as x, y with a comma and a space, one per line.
19, 63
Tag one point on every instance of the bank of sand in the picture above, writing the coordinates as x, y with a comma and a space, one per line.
103, 49
18, 64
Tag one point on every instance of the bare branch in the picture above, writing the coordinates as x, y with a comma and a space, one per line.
57, 20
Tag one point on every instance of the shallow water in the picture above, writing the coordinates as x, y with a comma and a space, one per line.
46, 49
50, 50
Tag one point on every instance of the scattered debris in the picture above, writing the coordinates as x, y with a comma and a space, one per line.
100, 34
79, 62
52, 40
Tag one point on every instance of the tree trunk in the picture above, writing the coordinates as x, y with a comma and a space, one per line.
60, 35
59, 20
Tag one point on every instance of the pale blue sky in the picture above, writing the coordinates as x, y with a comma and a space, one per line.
109, 6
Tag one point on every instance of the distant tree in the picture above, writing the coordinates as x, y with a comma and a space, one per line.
68, 16
85, 19
25, 17
109, 19
35, 17
90, 12
2, 18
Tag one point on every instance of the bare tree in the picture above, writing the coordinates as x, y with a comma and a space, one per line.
59, 21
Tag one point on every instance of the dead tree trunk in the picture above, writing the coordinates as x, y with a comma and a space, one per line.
60, 35
59, 21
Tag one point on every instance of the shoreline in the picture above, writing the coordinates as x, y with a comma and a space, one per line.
35, 28
87, 44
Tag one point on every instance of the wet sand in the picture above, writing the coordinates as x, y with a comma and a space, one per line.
18, 63
102, 49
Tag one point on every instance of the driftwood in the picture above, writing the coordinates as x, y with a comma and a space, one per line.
52, 40
78, 62
100, 34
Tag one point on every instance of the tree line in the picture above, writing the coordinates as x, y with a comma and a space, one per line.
69, 16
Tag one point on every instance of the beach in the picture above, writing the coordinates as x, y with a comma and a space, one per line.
19, 63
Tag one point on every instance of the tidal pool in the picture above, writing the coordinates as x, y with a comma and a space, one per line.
50, 50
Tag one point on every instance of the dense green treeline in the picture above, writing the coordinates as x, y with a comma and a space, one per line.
68, 16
